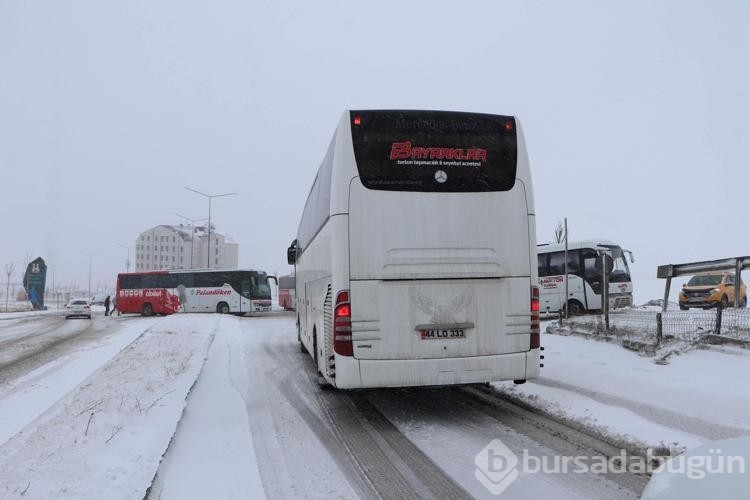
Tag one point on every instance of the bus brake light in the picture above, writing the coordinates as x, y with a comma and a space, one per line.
535, 341
342, 325
358, 120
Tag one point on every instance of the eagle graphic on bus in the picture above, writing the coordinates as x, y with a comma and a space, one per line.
441, 313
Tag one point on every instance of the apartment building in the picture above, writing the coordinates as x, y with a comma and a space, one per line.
183, 247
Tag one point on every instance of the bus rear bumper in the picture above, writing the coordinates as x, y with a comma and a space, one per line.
352, 373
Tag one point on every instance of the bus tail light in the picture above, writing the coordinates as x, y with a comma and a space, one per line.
342, 325
535, 340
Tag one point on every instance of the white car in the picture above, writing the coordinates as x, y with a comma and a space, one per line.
80, 308
718, 469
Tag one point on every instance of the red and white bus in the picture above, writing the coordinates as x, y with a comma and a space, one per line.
194, 290
287, 295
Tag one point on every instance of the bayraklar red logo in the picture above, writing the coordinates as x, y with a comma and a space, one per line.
404, 150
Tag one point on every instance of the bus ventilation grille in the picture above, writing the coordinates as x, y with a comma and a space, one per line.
328, 329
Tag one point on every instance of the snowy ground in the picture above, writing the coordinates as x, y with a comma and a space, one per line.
123, 396
701, 395
207, 406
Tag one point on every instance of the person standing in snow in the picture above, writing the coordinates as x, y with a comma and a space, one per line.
106, 306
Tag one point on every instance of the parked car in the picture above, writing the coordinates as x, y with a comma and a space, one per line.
711, 289
78, 308
98, 298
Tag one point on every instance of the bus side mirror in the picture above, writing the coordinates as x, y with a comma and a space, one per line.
632, 259
291, 253
274, 278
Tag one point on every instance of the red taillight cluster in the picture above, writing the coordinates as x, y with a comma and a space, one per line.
342, 325
535, 340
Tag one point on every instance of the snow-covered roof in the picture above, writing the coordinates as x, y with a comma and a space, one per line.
184, 231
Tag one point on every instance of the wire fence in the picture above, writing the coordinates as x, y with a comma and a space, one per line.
622, 323
689, 326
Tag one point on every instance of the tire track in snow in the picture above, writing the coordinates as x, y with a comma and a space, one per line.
692, 425
379, 460
463, 415
36, 350
29, 329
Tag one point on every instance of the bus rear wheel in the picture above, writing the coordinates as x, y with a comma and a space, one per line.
148, 309
222, 308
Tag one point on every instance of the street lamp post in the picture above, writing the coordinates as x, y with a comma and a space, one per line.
127, 261
54, 289
90, 254
191, 226
210, 197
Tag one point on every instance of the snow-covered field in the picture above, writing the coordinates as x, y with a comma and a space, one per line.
122, 398
197, 406
701, 395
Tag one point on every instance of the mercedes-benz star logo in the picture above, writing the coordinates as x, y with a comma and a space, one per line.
441, 176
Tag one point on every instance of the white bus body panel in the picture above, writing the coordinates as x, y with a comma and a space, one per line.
397, 235
552, 291
431, 259
313, 278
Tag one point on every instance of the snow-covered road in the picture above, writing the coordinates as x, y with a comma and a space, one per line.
259, 392
196, 406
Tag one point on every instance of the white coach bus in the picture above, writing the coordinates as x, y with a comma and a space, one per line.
416, 253
584, 276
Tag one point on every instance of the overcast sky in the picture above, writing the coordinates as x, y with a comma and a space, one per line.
635, 115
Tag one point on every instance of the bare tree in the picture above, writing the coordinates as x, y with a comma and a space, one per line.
9, 268
27, 259
560, 232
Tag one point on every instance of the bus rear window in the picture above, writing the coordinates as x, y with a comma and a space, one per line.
434, 151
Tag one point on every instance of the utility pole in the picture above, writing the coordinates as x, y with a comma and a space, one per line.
605, 287
127, 261
567, 296
9, 268
54, 289
90, 254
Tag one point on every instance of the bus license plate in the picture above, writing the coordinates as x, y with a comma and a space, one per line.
453, 333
